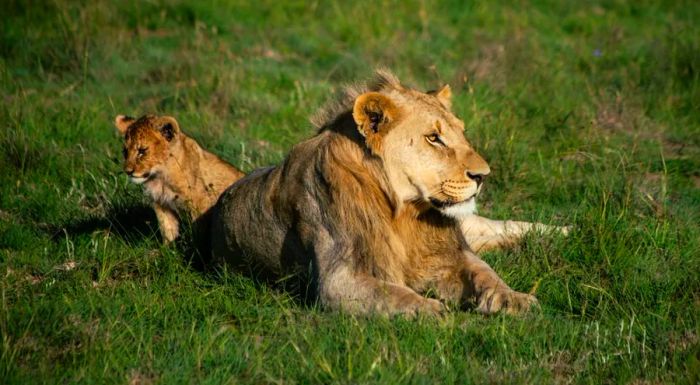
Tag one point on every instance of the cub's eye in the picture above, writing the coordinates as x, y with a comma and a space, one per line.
124, 152
434, 139
142, 151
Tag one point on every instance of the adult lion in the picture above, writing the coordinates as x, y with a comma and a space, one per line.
371, 208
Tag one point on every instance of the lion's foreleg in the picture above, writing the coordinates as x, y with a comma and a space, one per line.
360, 293
168, 222
473, 281
486, 234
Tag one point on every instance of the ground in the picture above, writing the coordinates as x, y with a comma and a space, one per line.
588, 113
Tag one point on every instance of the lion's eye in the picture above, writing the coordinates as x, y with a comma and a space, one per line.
434, 139
142, 151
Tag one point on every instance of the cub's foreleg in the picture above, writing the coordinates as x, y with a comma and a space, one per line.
168, 222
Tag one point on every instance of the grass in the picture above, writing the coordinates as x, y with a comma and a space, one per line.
589, 114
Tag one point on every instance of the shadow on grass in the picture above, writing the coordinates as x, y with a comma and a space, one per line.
130, 223
136, 223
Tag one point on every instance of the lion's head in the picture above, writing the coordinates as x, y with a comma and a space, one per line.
147, 144
421, 142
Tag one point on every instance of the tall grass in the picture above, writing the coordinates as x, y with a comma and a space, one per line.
589, 114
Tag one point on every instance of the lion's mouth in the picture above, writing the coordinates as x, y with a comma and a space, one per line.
143, 178
438, 203
441, 204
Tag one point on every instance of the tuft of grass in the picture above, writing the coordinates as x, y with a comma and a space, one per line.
588, 115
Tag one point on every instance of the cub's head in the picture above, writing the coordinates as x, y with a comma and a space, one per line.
147, 144
421, 142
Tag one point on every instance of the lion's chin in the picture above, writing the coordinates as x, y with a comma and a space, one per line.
461, 209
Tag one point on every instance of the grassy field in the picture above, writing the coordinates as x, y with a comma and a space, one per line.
588, 112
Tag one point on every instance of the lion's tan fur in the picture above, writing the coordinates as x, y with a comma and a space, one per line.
369, 209
176, 172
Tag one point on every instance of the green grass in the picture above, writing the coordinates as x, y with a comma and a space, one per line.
589, 114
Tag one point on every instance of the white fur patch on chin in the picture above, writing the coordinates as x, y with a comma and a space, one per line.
138, 180
461, 209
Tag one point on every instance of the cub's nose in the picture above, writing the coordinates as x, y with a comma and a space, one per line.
129, 171
476, 177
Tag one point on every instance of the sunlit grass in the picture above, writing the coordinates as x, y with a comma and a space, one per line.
588, 114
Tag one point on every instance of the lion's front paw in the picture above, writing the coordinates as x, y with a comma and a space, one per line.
435, 307
428, 306
507, 300
564, 230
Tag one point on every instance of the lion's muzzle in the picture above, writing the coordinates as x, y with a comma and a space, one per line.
458, 191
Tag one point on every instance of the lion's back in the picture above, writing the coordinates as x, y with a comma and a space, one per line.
214, 173
244, 229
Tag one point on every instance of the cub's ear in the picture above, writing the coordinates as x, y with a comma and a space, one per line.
169, 127
373, 112
444, 95
122, 122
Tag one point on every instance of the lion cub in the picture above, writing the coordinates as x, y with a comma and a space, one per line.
176, 172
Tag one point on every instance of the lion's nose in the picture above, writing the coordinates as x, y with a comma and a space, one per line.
476, 177
129, 171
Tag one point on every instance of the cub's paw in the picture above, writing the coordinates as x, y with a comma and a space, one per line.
509, 301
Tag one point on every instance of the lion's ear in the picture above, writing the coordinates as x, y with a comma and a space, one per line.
169, 127
444, 95
122, 122
372, 113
